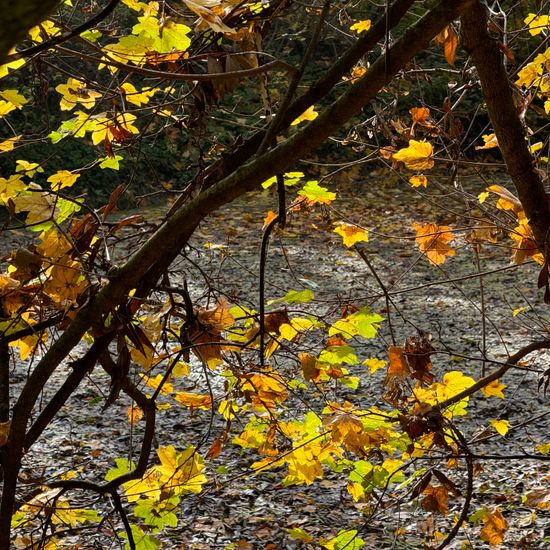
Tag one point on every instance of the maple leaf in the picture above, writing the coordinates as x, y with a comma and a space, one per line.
351, 234
309, 114
501, 426
490, 142
316, 193
494, 389
432, 241
182, 472
420, 116
361, 26
63, 178
269, 218
374, 364
524, 243
495, 527
75, 91
419, 180
537, 23
417, 156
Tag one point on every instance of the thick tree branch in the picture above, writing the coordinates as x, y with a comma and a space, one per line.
17, 18
497, 92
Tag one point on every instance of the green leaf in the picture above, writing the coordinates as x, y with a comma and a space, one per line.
290, 179
122, 467
314, 192
346, 540
362, 323
298, 297
143, 541
336, 355
111, 162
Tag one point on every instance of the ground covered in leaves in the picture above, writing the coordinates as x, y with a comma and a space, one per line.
466, 317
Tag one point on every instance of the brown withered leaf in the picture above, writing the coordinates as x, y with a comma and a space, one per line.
436, 499
274, 320
417, 352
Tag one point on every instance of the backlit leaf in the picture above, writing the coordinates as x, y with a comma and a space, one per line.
63, 179
501, 426
490, 142
495, 527
374, 364
493, 389
351, 234
419, 180
417, 156
309, 114
433, 241
361, 26
317, 194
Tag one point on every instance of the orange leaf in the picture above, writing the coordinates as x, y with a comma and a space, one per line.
435, 499
398, 364
449, 39
432, 241
269, 218
495, 527
134, 414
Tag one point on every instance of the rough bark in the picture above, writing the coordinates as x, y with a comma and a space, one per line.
509, 130
17, 17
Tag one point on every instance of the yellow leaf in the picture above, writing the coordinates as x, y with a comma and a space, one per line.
309, 114
537, 23
419, 180
62, 179
14, 97
482, 197
524, 242
74, 92
417, 156
495, 527
8, 144
6, 107
490, 142
374, 364
501, 426
5, 69
361, 26
494, 389
135, 96
517, 311
194, 400
351, 234
433, 241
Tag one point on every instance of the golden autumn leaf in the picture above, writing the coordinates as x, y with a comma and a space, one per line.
419, 180
495, 527
309, 114
490, 142
361, 26
351, 234
501, 426
193, 400
269, 218
493, 389
374, 364
420, 116
417, 156
62, 178
449, 39
524, 243
134, 414
433, 241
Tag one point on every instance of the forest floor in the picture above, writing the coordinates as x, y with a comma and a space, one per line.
242, 510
